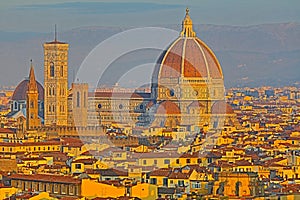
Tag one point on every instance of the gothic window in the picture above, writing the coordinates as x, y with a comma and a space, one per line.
49, 109
53, 108
51, 69
61, 91
49, 91
78, 99
31, 104
61, 71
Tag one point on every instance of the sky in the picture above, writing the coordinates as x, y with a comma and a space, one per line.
40, 15
24, 19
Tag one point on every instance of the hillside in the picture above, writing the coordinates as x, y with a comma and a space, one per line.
253, 55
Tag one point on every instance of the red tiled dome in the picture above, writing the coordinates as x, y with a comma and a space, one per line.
188, 57
191, 58
168, 108
221, 107
21, 90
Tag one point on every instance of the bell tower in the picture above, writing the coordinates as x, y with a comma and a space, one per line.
32, 109
56, 82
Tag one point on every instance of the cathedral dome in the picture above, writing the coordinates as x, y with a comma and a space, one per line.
188, 57
21, 91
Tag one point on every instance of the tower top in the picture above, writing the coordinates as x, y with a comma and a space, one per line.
55, 41
32, 86
187, 25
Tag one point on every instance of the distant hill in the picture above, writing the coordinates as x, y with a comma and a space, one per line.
250, 56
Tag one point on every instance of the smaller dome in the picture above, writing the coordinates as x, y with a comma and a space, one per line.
21, 90
221, 107
168, 108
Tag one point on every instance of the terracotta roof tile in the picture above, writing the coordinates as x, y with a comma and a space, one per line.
45, 178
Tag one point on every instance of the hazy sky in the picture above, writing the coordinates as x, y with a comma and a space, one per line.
40, 15
28, 18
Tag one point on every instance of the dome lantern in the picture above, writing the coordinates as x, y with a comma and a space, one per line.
187, 26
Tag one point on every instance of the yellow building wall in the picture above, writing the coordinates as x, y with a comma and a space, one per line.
117, 156
29, 148
7, 192
92, 188
74, 151
144, 191
141, 149
77, 170
184, 161
159, 162
159, 180
42, 195
230, 186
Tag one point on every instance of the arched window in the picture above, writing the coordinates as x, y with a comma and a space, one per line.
51, 69
78, 99
49, 109
49, 91
15, 105
31, 104
61, 71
